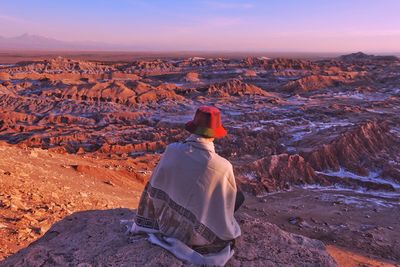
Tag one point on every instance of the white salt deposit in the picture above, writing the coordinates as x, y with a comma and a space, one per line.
233, 112
372, 177
375, 111
389, 196
177, 118
252, 176
256, 129
362, 201
353, 95
395, 131
299, 132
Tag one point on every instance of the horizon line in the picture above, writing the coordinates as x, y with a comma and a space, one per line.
139, 51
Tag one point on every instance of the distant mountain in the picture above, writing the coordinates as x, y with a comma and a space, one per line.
36, 42
360, 56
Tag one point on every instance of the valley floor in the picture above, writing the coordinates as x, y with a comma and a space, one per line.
359, 226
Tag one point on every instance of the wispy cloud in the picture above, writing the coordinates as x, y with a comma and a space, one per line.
224, 5
205, 25
224, 21
373, 33
11, 18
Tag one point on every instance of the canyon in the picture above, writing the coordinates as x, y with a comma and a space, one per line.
315, 145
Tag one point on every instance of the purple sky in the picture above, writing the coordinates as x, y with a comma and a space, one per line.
253, 25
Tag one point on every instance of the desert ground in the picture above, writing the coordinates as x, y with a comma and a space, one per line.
315, 144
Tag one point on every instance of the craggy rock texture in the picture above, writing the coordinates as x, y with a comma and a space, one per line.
279, 63
234, 88
191, 77
93, 238
279, 171
40, 187
285, 106
313, 82
61, 64
271, 107
356, 150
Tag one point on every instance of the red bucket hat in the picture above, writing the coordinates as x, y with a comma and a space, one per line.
207, 122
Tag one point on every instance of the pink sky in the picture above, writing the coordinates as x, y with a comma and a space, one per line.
284, 25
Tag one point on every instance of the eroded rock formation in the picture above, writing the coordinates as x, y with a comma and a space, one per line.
278, 172
357, 150
235, 87
313, 82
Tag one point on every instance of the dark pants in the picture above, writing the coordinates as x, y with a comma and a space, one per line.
239, 200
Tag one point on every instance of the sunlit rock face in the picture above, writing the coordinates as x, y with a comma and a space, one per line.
356, 150
234, 87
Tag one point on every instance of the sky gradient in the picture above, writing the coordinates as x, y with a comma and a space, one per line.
253, 25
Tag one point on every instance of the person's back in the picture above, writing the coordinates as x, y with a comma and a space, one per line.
191, 194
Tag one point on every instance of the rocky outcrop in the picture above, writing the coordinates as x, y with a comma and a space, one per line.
191, 77
77, 125
130, 148
250, 73
235, 87
277, 64
150, 66
277, 172
242, 143
94, 238
61, 68
357, 150
61, 64
119, 92
313, 82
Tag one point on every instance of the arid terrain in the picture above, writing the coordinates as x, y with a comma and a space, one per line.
315, 144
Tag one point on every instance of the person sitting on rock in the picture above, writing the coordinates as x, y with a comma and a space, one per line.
188, 204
